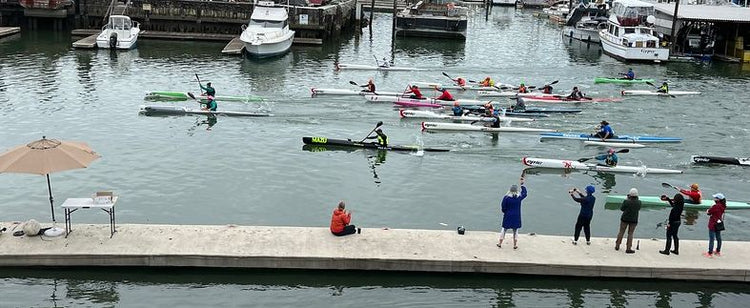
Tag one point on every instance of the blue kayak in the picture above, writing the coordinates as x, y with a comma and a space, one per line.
618, 138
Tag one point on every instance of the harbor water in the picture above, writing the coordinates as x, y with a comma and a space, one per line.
254, 171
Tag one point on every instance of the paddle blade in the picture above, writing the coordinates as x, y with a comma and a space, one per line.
191, 94
624, 151
446, 75
666, 185
651, 84
554, 82
353, 83
380, 123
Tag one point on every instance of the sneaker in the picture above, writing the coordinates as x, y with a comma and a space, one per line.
717, 253
588, 243
707, 255
674, 252
617, 247
664, 252
575, 243
359, 230
629, 251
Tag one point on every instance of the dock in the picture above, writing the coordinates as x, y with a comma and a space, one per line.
88, 42
8, 31
376, 249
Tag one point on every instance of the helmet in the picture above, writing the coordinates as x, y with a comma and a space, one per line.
522, 84
611, 151
694, 186
590, 189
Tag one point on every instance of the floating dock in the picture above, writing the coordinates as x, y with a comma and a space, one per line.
376, 249
8, 31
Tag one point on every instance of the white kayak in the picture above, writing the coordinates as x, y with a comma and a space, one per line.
393, 99
621, 145
342, 66
178, 110
457, 87
654, 93
435, 126
511, 94
316, 91
425, 114
576, 165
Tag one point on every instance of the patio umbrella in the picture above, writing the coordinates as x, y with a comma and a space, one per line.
46, 156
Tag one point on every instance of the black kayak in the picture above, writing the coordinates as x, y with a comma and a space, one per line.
367, 145
744, 161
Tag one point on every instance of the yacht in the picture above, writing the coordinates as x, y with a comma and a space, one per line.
119, 33
267, 34
630, 34
584, 23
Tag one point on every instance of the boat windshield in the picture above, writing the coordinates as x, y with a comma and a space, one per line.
267, 23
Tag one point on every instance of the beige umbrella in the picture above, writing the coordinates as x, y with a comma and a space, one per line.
46, 156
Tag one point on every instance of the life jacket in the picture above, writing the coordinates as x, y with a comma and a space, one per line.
461, 82
522, 89
382, 139
446, 96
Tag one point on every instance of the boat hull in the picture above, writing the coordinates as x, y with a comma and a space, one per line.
177, 110
585, 35
342, 66
620, 80
576, 165
620, 138
656, 201
174, 95
266, 50
698, 159
323, 141
654, 93
316, 92
434, 126
422, 114
623, 53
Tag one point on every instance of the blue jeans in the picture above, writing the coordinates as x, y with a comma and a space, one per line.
711, 236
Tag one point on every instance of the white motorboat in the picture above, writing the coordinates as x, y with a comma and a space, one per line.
630, 34
267, 34
119, 33
584, 23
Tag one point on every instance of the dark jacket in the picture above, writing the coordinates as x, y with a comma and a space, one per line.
675, 215
630, 208
511, 207
587, 205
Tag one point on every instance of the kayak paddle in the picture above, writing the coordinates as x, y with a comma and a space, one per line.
655, 87
667, 185
380, 123
200, 86
588, 158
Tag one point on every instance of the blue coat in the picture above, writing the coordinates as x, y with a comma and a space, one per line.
511, 207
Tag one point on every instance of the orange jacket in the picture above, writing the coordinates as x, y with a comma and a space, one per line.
339, 220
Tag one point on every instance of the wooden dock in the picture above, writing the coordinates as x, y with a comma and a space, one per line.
234, 47
8, 31
88, 42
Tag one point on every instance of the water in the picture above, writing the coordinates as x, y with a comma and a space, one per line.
172, 170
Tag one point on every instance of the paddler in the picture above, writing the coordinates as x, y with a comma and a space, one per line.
460, 81
605, 132
547, 89
664, 88
210, 104
369, 87
382, 138
457, 109
385, 63
609, 159
630, 75
519, 106
415, 93
694, 194
522, 88
444, 94
575, 94
209, 90
487, 82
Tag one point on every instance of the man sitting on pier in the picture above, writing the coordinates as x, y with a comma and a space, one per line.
340, 221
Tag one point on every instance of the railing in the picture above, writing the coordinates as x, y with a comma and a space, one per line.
45, 4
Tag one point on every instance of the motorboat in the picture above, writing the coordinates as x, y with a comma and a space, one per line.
267, 34
119, 33
584, 22
630, 34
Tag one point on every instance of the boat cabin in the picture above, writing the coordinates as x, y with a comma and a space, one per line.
266, 15
633, 36
119, 22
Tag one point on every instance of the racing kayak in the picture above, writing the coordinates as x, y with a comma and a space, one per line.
422, 114
342, 66
620, 138
177, 110
656, 201
621, 145
316, 91
511, 94
562, 99
654, 93
323, 141
620, 80
429, 101
457, 87
576, 165
170, 95
435, 126
519, 113
744, 161
549, 110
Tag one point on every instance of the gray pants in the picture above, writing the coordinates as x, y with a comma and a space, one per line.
631, 229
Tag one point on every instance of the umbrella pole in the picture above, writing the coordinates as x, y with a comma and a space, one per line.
51, 201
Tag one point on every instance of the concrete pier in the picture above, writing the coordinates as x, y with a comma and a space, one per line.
88, 42
374, 249
8, 31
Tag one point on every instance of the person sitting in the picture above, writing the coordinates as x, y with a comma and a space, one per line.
694, 194
609, 159
415, 93
520, 105
210, 104
445, 95
630, 75
605, 132
487, 82
209, 90
457, 109
384, 64
522, 88
664, 88
547, 89
370, 86
575, 94
382, 138
461, 82
340, 221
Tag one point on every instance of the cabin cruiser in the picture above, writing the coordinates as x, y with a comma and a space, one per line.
630, 34
267, 34
119, 33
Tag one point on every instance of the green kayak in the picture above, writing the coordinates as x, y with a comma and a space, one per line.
656, 201
170, 95
620, 80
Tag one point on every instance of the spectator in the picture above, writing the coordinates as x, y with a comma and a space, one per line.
340, 221
629, 219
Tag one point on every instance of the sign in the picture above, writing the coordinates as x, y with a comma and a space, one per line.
146, 7
302, 19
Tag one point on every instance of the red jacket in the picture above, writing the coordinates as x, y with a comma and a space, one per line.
446, 96
695, 196
716, 212
339, 220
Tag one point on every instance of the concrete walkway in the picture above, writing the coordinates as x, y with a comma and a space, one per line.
374, 249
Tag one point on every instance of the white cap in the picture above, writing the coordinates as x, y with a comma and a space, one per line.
719, 196
633, 192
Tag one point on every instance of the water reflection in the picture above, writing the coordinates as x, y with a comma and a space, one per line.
580, 51
375, 157
449, 54
266, 74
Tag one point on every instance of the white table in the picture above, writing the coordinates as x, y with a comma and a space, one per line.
73, 204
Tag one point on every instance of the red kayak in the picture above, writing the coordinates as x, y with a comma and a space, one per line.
563, 99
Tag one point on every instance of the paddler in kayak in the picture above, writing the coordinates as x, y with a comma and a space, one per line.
210, 104
382, 138
694, 194
444, 94
457, 109
575, 94
415, 93
385, 63
547, 89
209, 90
369, 87
460, 81
630, 75
520, 105
487, 82
522, 88
664, 88
609, 159
605, 132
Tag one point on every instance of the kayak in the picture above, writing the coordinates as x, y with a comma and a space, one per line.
177, 110
562, 99
430, 101
457, 87
620, 138
620, 80
744, 161
576, 165
422, 114
170, 95
435, 126
511, 94
654, 93
621, 145
323, 141
342, 66
550, 110
656, 201
316, 92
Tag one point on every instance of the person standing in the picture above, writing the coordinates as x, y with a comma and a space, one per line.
340, 221
629, 219
511, 208
673, 223
716, 215
586, 214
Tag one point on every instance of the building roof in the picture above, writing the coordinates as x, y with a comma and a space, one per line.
724, 13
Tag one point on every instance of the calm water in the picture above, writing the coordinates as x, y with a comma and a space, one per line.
172, 170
